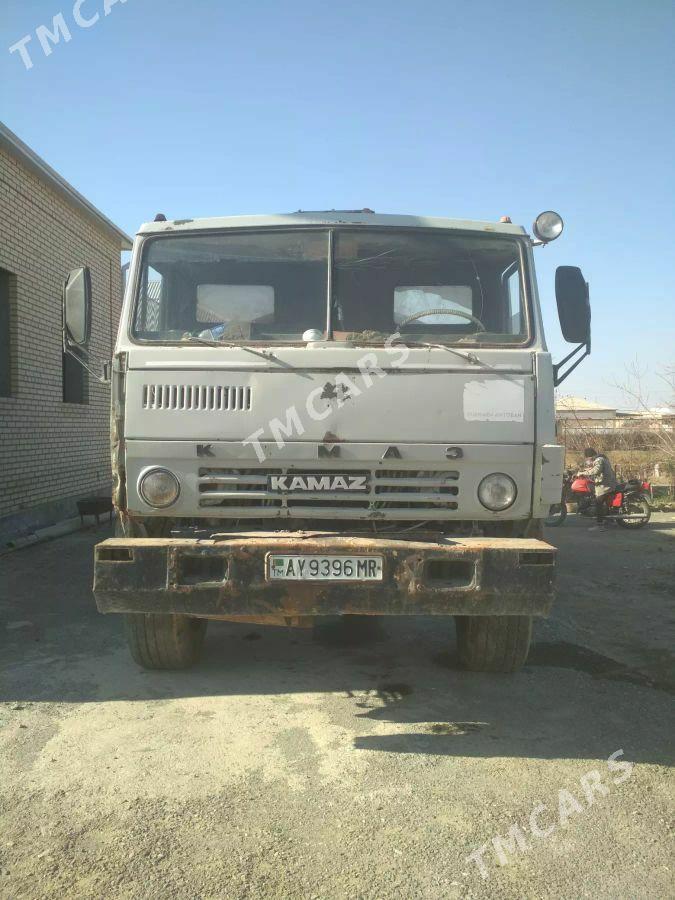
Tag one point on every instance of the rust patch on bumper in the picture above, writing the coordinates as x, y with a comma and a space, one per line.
227, 576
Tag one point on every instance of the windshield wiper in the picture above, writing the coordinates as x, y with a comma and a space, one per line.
468, 357
191, 339
265, 354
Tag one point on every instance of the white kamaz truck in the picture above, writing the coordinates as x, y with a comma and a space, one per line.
332, 413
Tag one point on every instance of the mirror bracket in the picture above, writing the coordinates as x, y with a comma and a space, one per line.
104, 378
558, 378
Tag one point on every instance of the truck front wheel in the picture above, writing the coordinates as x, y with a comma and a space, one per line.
493, 643
164, 641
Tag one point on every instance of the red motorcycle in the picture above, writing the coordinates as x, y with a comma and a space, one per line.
627, 503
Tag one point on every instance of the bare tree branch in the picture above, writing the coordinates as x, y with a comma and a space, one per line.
638, 441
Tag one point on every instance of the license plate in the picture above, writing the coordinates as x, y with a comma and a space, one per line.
309, 567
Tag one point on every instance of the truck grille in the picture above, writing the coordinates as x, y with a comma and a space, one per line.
204, 397
411, 493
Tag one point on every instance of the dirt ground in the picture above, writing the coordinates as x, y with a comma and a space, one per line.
354, 763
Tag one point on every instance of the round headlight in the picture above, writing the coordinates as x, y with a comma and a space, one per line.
159, 488
548, 226
497, 491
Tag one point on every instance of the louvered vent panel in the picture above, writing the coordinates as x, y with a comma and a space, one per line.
196, 397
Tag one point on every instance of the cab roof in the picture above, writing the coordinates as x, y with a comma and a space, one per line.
329, 217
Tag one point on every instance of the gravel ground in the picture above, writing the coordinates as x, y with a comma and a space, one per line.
357, 762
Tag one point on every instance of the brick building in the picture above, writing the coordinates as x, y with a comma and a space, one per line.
54, 418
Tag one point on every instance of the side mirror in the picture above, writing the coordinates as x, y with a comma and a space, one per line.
574, 308
77, 307
574, 312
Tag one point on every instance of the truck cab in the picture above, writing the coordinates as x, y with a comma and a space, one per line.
332, 413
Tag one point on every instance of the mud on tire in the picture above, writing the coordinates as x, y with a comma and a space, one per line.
493, 643
164, 641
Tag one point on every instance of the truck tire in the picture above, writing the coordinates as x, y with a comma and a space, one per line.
493, 643
164, 641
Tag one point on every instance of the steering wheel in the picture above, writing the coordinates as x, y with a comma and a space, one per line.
442, 312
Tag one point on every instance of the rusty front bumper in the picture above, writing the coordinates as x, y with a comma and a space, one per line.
226, 576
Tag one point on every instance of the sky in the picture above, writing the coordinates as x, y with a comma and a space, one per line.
462, 109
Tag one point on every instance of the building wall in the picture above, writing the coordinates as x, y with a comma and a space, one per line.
51, 452
585, 415
583, 421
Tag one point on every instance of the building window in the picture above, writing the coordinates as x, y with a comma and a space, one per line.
7, 350
75, 381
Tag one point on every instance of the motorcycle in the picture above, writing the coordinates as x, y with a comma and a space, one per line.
626, 504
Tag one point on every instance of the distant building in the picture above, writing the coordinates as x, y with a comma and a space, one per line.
54, 418
577, 413
581, 413
656, 418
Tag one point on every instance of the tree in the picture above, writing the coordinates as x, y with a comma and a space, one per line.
661, 425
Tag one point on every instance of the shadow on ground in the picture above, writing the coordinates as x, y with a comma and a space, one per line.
569, 702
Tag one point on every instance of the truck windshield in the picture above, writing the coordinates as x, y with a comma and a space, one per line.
272, 287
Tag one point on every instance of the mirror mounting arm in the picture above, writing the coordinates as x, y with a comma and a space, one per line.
102, 379
558, 378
